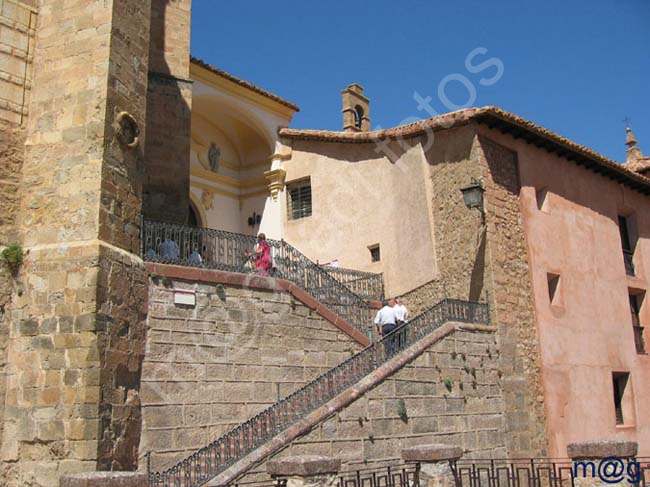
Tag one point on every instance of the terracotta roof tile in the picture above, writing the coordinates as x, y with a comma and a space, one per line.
639, 166
496, 118
244, 83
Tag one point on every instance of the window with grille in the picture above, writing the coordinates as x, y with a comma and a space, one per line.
625, 227
375, 255
299, 199
635, 310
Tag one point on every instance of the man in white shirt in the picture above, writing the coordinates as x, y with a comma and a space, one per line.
385, 323
385, 319
401, 313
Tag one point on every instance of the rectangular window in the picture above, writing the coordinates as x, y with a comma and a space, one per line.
542, 199
627, 243
553, 288
635, 310
622, 397
299, 199
624, 230
375, 255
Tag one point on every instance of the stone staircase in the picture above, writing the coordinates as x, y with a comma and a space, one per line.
227, 251
235, 452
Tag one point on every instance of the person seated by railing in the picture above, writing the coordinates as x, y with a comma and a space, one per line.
169, 250
195, 258
262, 256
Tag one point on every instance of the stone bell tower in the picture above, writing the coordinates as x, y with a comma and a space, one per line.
356, 109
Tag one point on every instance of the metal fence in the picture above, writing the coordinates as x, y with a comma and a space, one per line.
367, 285
545, 472
170, 243
381, 476
387, 476
213, 459
537, 472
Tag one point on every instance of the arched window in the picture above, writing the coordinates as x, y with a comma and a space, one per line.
358, 116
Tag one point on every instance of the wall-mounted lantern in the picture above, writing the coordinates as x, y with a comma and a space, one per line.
254, 219
473, 195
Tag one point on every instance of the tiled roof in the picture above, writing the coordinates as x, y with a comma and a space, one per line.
498, 119
243, 83
640, 165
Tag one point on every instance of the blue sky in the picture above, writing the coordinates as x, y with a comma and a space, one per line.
577, 67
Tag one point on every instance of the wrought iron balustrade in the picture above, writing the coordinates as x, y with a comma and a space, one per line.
367, 285
171, 243
386, 476
547, 472
628, 257
524, 472
213, 459
394, 475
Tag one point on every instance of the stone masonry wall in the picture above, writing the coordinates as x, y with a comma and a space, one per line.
423, 297
17, 31
481, 260
169, 103
213, 366
81, 188
513, 302
12, 140
468, 412
460, 238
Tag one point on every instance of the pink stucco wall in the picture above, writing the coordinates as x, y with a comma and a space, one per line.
588, 334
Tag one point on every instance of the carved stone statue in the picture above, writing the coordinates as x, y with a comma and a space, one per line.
214, 153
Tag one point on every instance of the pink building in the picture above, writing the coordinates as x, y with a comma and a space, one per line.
562, 254
589, 259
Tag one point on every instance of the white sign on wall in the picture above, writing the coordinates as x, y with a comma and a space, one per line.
183, 296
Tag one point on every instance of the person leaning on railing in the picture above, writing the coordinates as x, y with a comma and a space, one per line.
262, 256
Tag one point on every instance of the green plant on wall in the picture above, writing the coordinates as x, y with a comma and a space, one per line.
448, 383
12, 256
401, 410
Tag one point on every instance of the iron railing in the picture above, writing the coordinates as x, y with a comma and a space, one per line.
171, 243
548, 472
213, 459
387, 476
628, 257
367, 285
525, 472
406, 475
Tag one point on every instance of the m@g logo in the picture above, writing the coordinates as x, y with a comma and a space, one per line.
610, 470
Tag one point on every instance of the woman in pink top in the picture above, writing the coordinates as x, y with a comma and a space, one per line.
263, 255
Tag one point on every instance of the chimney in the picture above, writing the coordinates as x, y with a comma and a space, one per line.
356, 109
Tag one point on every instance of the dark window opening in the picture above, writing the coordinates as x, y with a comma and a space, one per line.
192, 218
375, 255
624, 229
299, 199
626, 244
635, 309
553, 288
358, 116
542, 199
619, 380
